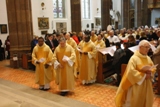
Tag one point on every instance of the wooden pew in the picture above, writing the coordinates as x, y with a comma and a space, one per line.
26, 61
104, 67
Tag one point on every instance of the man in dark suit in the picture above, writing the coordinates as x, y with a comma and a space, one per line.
50, 43
55, 40
34, 42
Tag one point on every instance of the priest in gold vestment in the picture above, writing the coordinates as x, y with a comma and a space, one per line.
64, 61
93, 36
42, 59
70, 41
88, 68
99, 43
135, 89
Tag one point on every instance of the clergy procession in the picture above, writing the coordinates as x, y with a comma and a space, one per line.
80, 53
64, 57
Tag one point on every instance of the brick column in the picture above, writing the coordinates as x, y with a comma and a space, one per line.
76, 15
146, 14
138, 13
20, 26
125, 13
105, 13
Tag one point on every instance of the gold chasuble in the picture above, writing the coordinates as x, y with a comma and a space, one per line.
72, 43
106, 35
134, 89
93, 38
65, 74
88, 68
78, 54
44, 55
100, 44
80, 44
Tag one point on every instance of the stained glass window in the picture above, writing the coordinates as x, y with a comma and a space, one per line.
86, 9
59, 8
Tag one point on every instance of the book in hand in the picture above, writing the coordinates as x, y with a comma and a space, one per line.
66, 58
79, 50
148, 67
98, 46
41, 60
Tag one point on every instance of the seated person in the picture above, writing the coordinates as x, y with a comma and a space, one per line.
112, 38
131, 41
118, 59
137, 39
106, 42
128, 52
143, 36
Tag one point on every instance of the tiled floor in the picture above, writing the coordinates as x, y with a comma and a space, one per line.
95, 94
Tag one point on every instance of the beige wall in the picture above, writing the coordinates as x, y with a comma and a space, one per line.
3, 19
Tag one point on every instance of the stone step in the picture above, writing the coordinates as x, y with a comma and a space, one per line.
16, 95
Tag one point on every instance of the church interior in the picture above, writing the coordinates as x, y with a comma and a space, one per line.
22, 20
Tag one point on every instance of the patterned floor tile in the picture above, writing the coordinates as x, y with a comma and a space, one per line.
96, 94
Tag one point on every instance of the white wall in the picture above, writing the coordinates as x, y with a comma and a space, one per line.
155, 13
94, 5
3, 19
38, 12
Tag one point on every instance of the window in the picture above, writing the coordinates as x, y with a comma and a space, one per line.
132, 4
86, 9
59, 8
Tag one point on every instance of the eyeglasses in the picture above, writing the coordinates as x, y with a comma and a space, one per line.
147, 47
